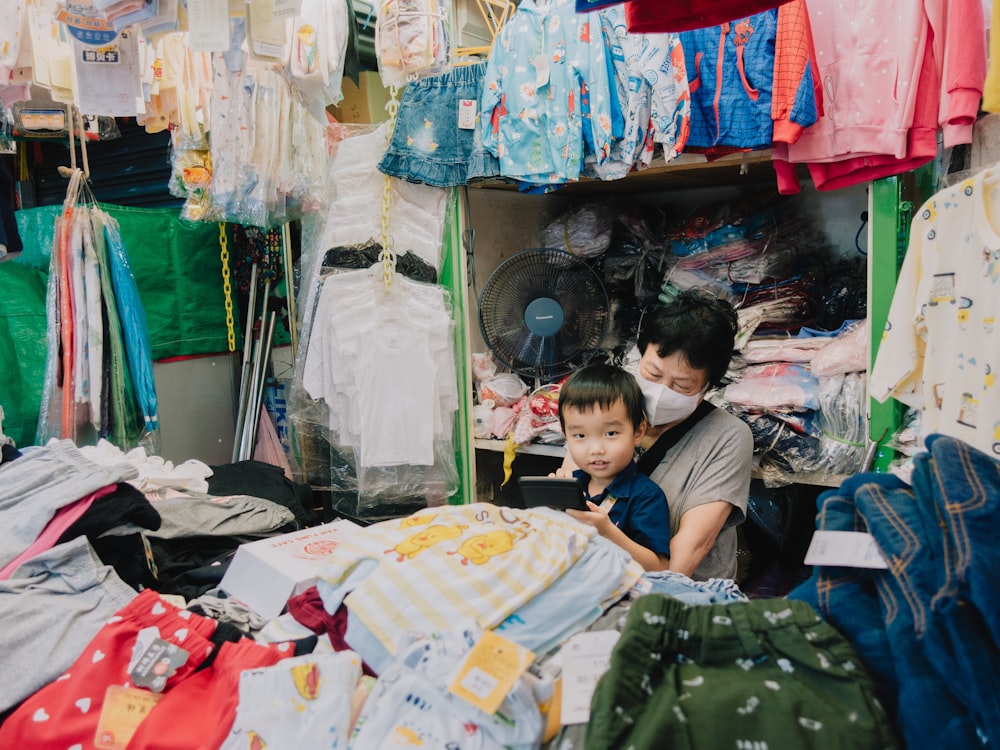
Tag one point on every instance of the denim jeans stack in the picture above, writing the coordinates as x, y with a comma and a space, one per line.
928, 627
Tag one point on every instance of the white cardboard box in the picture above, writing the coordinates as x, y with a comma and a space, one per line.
265, 573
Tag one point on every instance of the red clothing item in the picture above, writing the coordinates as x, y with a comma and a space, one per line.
307, 609
65, 713
794, 56
199, 712
652, 16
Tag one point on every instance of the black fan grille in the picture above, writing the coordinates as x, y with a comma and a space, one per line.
531, 275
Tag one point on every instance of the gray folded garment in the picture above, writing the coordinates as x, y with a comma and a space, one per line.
44, 630
186, 514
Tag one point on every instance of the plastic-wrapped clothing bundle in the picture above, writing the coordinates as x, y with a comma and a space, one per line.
411, 40
585, 231
775, 386
378, 373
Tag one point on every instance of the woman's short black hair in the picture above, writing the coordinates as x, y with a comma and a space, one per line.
602, 386
697, 324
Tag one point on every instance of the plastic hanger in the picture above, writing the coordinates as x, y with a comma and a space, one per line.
495, 13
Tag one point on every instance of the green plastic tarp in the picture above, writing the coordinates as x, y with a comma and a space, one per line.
178, 272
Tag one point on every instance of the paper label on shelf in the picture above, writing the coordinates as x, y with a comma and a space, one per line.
852, 549
585, 657
490, 671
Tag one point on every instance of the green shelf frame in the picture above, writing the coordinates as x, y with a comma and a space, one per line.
891, 203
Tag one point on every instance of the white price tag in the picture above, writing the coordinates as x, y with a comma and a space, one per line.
851, 549
467, 113
584, 658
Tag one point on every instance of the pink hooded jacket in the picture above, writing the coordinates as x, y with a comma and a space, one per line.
892, 73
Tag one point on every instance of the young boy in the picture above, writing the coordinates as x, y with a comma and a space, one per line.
601, 410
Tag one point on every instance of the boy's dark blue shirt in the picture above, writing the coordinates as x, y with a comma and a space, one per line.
640, 508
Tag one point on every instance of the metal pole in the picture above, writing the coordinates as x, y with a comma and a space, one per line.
245, 368
293, 328
259, 395
245, 424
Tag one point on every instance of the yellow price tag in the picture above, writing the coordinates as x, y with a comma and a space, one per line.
122, 713
490, 671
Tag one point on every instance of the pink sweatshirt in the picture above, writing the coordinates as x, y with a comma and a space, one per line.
892, 74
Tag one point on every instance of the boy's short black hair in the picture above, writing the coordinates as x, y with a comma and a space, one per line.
699, 325
602, 386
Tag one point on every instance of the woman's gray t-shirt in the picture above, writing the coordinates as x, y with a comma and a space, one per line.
711, 462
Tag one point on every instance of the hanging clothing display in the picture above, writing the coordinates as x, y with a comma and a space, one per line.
382, 364
936, 353
650, 82
892, 76
99, 370
437, 139
547, 93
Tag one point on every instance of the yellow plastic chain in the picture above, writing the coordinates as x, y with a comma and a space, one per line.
227, 287
388, 255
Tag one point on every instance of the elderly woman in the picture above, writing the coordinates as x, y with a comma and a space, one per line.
700, 456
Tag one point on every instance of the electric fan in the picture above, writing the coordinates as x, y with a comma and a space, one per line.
543, 313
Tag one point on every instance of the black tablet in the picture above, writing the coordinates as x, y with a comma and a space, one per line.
555, 492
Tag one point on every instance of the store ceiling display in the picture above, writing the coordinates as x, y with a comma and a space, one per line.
543, 313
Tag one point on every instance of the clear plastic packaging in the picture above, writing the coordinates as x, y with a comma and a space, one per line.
411, 40
584, 231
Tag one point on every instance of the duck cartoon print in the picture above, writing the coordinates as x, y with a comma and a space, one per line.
306, 679
482, 548
417, 520
414, 544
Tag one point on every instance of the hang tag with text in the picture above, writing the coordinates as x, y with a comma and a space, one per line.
584, 658
490, 671
467, 113
851, 549
122, 713
160, 660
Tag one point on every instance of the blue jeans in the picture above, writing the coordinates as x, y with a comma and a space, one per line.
918, 633
932, 710
965, 485
679, 586
427, 144
846, 597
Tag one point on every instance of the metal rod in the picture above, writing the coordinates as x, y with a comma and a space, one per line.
245, 422
248, 415
259, 395
245, 367
293, 328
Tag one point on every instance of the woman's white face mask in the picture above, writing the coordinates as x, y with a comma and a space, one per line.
664, 405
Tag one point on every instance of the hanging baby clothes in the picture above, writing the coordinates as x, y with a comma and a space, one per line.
937, 353
384, 366
318, 51
893, 75
731, 69
547, 92
354, 216
650, 80
437, 139
411, 40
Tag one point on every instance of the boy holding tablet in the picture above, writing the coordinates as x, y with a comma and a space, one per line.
601, 410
